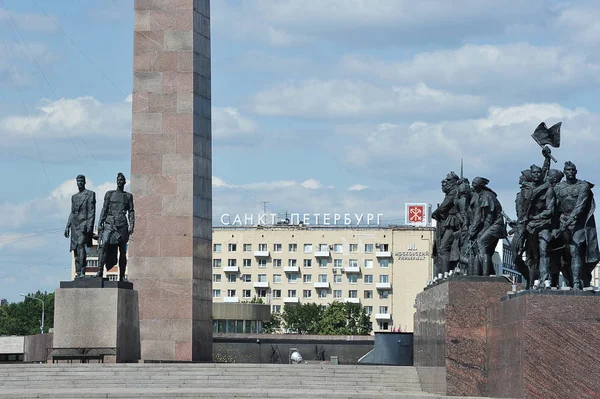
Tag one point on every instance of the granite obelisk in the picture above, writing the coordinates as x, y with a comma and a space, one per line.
170, 252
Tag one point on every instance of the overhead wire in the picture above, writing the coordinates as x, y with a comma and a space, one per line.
31, 266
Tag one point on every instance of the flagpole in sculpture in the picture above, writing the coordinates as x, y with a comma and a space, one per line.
547, 136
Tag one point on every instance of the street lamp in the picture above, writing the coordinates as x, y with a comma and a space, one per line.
43, 306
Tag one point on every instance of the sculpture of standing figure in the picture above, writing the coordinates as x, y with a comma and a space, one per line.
487, 226
575, 202
80, 225
117, 221
447, 225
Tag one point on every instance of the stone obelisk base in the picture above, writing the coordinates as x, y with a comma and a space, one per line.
98, 318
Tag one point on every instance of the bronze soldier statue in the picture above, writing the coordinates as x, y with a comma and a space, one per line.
117, 221
575, 202
80, 225
487, 226
447, 225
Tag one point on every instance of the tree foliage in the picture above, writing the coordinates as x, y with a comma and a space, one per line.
339, 318
273, 325
24, 318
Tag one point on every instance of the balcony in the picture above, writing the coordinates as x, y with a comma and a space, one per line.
261, 254
231, 299
383, 316
231, 269
291, 269
322, 285
352, 300
383, 254
261, 284
383, 286
322, 254
352, 269
291, 300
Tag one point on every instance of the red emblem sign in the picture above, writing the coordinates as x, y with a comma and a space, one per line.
416, 213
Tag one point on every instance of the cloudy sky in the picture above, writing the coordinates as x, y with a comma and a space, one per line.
319, 106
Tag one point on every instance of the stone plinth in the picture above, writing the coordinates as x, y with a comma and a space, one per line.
171, 160
98, 318
450, 333
545, 344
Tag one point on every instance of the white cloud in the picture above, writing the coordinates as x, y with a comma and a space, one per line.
580, 22
355, 99
491, 70
28, 21
357, 187
230, 127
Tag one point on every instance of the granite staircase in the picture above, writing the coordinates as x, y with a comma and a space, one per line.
169, 380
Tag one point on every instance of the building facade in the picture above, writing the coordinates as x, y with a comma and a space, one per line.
381, 268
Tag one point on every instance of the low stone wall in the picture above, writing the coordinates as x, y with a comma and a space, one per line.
258, 348
36, 347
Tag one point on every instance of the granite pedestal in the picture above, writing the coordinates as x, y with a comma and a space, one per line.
450, 333
98, 318
545, 344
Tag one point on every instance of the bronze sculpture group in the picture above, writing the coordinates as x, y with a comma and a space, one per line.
554, 233
116, 224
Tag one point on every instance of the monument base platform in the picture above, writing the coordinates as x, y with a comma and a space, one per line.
545, 344
98, 318
450, 333
96, 282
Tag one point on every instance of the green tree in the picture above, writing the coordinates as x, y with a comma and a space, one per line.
273, 325
23, 318
302, 318
339, 318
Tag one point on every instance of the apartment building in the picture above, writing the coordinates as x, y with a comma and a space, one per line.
381, 268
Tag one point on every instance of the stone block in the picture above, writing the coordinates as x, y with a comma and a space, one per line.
177, 205
177, 164
178, 123
151, 82
148, 144
80, 323
185, 103
146, 41
178, 40
178, 82
163, 61
162, 184
176, 246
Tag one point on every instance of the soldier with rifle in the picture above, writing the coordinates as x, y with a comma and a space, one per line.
447, 225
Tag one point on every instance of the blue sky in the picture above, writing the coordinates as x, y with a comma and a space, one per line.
319, 106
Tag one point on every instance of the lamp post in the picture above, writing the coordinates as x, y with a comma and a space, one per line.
43, 306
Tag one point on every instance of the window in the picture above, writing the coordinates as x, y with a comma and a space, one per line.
383, 325
353, 279
353, 294
307, 278
368, 263
216, 263
322, 278
337, 263
337, 294
276, 262
322, 294
307, 262
262, 278
353, 263
292, 262
232, 247
247, 262
261, 293
307, 248
291, 293
368, 248
337, 248
216, 293
230, 293
247, 247
384, 247
231, 278
353, 248
277, 247
369, 310
368, 294
337, 278
246, 294
383, 278
277, 308
262, 263
383, 309
231, 262
384, 263
384, 294
323, 247
277, 278
262, 247
292, 247
368, 278
216, 278
322, 263
246, 278
276, 293
217, 247
306, 293
292, 278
